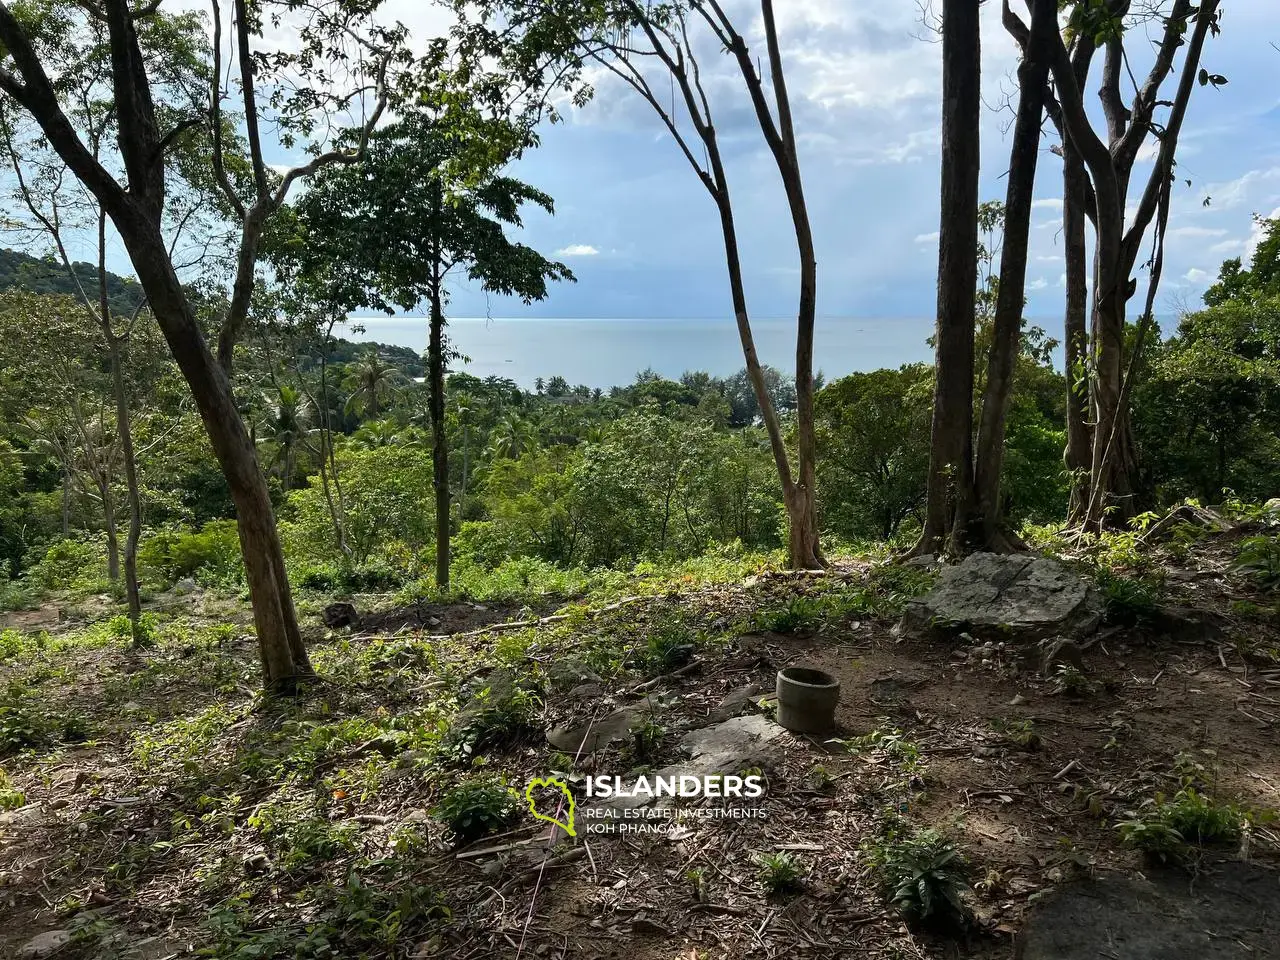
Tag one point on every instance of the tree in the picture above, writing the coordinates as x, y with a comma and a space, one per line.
873, 435
1010, 294
949, 501
430, 200
1261, 280
331, 41
1112, 491
371, 383
649, 47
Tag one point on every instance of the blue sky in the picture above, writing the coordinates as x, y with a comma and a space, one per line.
642, 236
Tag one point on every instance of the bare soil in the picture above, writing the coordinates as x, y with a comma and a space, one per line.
1029, 812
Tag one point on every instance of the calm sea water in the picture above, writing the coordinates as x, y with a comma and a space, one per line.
604, 353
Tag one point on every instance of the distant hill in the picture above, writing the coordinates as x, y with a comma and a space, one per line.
25, 272
22, 271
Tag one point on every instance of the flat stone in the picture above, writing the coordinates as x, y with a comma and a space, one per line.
45, 944
585, 738
737, 701
723, 748
341, 614
1021, 598
1231, 911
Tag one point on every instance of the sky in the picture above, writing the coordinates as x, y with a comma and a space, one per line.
641, 234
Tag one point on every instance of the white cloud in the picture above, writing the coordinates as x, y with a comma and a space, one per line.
1039, 283
927, 237
1196, 275
1190, 232
578, 250
1047, 203
1235, 192
1228, 246
1255, 235
1050, 258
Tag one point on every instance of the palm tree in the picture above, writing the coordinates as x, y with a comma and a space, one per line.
510, 437
286, 426
372, 383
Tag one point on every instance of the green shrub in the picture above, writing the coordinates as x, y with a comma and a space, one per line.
1128, 600
476, 807
70, 565
1165, 830
1258, 559
799, 613
779, 872
210, 554
922, 873
372, 576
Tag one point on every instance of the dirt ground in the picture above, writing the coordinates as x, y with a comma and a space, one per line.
1030, 779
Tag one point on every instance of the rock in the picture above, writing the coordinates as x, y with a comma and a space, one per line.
924, 561
1231, 911
1187, 623
737, 701
582, 739
185, 586
726, 748
342, 614
44, 945
565, 674
586, 691
1020, 598
1188, 514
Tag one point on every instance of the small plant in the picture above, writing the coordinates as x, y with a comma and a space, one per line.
497, 714
890, 745
697, 878
1071, 682
669, 646
10, 796
1128, 600
1258, 559
476, 807
922, 874
22, 726
645, 740
1166, 829
797, 614
779, 872
1019, 733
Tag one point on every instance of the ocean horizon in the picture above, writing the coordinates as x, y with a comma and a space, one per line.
610, 352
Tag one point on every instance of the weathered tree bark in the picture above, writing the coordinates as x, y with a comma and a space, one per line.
125, 428
950, 483
1033, 75
1076, 457
1113, 461
439, 441
671, 48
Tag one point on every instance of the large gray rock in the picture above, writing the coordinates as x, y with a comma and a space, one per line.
45, 944
1020, 597
1230, 912
585, 738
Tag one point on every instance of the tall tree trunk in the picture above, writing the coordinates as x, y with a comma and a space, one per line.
284, 658
1033, 75
1076, 334
109, 524
806, 554
439, 442
950, 482
125, 428
66, 499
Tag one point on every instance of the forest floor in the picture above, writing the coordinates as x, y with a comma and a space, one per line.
159, 808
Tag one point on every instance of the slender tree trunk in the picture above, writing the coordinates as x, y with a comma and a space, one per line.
805, 550
66, 500
1033, 75
1076, 333
439, 442
109, 523
950, 483
284, 658
125, 428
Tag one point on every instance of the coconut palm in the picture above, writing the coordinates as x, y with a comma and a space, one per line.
285, 427
372, 384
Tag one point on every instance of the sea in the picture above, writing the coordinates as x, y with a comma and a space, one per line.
610, 352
